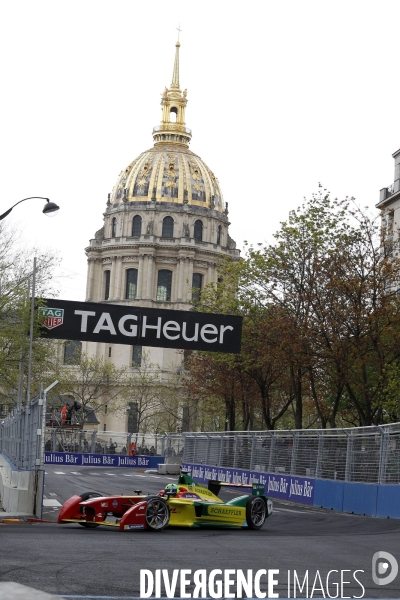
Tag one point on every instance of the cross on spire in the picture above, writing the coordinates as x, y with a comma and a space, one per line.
179, 30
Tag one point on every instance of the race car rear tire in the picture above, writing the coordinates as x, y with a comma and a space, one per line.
157, 514
256, 512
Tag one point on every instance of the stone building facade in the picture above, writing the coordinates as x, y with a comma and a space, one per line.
389, 204
165, 227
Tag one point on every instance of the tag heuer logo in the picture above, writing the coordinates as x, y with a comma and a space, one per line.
53, 317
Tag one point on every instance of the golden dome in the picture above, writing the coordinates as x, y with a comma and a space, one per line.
170, 172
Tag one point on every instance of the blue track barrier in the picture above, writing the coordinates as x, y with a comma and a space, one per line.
329, 494
388, 501
360, 498
355, 498
102, 460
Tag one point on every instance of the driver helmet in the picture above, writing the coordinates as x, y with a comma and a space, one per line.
171, 489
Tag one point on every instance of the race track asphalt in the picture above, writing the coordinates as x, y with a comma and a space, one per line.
300, 543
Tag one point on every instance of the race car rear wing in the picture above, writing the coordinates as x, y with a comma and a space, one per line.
257, 489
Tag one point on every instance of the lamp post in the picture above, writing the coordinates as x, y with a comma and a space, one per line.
49, 207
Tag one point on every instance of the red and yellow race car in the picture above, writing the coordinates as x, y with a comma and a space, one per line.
186, 504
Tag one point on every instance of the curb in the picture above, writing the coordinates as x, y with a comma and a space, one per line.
22, 520
15, 521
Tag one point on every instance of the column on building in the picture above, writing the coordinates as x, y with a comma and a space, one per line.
113, 277
90, 279
118, 291
210, 273
149, 284
189, 278
180, 274
97, 279
139, 292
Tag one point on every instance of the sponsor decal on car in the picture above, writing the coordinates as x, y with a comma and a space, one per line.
104, 504
216, 510
134, 527
115, 504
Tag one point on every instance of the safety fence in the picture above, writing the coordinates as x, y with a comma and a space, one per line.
359, 454
78, 440
21, 435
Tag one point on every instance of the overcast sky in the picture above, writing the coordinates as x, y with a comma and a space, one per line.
282, 96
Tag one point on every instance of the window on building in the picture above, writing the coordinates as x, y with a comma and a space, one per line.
167, 227
173, 113
136, 356
114, 227
109, 352
164, 284
136, 226
198, 230
133, 417
197, 284
72, 353
105, 409
186, 358
104, 427
219, 235
185, 418
131, 284
107, 276
389, 222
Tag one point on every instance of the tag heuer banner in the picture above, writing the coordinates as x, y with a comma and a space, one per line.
115, 324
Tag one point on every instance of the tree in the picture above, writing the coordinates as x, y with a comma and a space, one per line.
15, 280
94, 383
321, 319
364, 315
140, 394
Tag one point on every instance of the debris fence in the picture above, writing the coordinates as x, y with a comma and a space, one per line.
359, 454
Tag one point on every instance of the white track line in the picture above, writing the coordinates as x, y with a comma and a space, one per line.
51, 502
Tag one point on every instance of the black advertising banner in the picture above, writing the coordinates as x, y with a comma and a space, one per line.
116, 324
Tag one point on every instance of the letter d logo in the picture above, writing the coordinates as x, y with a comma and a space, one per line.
380, 568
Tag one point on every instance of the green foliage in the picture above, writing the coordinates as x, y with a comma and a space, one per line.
16, 268
93, 382
321, 322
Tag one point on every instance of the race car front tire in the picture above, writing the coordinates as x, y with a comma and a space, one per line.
256, 512
87, 496
157, 514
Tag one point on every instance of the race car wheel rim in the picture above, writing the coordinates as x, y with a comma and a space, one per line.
157, 514
258, 512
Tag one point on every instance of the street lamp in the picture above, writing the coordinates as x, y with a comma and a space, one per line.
50, 208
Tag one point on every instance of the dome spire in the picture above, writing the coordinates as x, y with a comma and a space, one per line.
172, 128
175, 74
